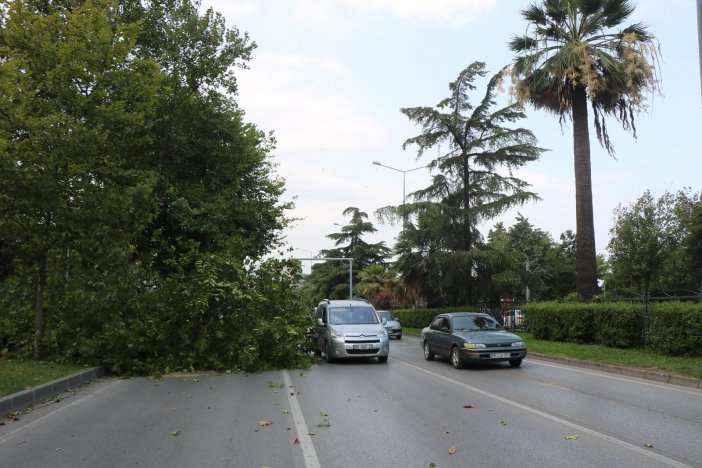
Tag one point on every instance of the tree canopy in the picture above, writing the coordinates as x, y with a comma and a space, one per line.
137, 202
482, 146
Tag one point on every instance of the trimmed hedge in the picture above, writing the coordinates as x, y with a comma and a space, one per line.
674, 328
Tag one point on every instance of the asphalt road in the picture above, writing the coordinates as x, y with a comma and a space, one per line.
406, 413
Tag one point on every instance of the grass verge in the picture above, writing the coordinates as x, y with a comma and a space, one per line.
638, 358
19, 375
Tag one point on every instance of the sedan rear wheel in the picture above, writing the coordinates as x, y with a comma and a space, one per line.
428, 355
456, 359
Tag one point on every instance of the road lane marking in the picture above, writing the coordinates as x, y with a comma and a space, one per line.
303, 434
609, 375
620, 443
61, 409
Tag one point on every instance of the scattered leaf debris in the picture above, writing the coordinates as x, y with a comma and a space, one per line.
571, 437
452, 449
176, 433
469, 406
648, 445
265, 423
503, 422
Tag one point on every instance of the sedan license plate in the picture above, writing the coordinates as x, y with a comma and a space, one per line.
499, 355
363, 346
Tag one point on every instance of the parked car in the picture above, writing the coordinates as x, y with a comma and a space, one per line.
465, 337
392, 324
350, 329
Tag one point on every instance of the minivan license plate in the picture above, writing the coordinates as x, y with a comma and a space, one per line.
499, 355
363, 346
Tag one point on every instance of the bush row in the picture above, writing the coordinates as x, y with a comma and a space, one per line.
673, 328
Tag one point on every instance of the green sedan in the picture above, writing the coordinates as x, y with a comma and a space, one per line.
465, 337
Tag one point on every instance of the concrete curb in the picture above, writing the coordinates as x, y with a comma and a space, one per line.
35, 395
656, 376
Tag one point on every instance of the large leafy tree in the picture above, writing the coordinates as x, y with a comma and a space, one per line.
76, 103
474, 182
650, 245
137, 195
571, 56
216, 190
527, 257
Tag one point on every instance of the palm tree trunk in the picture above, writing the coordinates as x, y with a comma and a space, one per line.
585, 263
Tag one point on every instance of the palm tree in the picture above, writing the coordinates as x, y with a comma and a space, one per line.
570, 58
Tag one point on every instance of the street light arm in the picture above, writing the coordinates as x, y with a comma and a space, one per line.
378, 163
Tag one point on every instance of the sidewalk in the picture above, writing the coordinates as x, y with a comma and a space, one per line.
36, 395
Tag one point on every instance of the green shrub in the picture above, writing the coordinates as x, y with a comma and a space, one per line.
613, 324
561, 321
619, 325
676, 328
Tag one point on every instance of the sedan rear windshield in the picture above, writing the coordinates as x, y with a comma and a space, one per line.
352, 315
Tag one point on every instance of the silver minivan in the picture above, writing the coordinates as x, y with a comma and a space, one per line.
350, 329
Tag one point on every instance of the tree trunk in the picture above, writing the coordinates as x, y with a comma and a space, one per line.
39, 309
586, 265
467, 233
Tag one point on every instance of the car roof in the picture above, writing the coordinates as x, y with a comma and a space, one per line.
457, 314
347, 303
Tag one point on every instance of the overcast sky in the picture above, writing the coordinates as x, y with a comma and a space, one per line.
329, 78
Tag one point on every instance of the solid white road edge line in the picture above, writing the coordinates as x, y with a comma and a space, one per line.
612, 376
62, 408
303, 434
577, 427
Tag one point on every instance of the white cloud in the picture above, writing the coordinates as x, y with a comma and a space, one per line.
232, 10
301, 98
453, 13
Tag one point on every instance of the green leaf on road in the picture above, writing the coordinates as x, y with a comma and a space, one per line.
571, 437
503, 422
176, 433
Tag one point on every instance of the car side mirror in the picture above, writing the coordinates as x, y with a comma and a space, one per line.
320, 322
445, 329
383, 320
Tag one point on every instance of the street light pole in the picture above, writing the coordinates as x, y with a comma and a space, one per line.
404, 173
